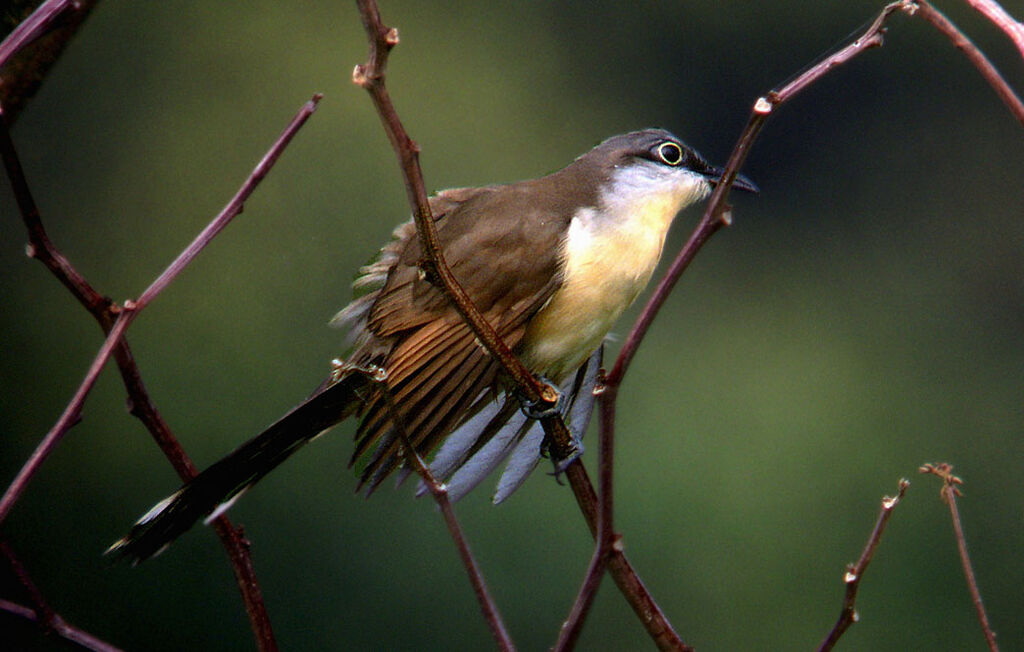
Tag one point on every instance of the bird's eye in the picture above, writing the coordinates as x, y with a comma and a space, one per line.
670, 153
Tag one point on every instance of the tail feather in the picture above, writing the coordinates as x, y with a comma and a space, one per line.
216, 488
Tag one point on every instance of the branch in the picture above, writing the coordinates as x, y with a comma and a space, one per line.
371, 76
605, 537
440, 494
61, 627
39, 22
34, 46
854, 572
41, 613
1002, 20
984, 66
949, 492
114, 322
715, 216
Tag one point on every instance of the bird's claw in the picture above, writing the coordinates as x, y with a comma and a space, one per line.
548, 405
561, 463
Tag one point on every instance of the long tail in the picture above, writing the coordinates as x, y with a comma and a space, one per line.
219, 486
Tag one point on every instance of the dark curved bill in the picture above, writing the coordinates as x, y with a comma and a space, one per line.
741, 182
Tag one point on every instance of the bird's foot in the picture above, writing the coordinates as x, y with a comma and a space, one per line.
548, 405
561, 463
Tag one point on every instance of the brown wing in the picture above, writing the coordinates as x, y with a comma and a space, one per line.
504, 251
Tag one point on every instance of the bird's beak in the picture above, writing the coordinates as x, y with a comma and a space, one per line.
714, 175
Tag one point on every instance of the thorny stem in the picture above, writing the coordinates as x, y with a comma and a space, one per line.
949, 492
855, 572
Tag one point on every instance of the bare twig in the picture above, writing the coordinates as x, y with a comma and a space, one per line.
855, 572
370, 76
605, 537
40, 612
715, 216
32, 48
61, 627
105, 311
949, 492
440, 494
995, 13
72, 413
44, 613
974, 55
38, 23
624, 575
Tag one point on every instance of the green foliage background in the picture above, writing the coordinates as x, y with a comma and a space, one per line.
865, 314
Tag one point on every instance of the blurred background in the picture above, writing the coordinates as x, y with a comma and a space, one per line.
863, 315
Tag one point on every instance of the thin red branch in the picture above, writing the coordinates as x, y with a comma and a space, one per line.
41, 612
1004, 21
61, 627
715, 216
141, 406
44, 613
855, 572
949, 492
233, 208
440, 494
370, 76
39, 22
605, 537
623, 574
975, 56
72, 413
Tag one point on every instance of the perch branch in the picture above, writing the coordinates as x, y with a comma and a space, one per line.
998, 16
854, 572
142, 407
371, 77
949, 492
975, 56
440, 494
39, 22
715, 216
41, 613
61, 627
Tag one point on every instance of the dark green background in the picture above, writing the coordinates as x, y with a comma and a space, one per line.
864, 315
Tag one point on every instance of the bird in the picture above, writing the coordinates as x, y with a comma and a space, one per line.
550, 263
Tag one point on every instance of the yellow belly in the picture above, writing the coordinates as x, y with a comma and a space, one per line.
605, 271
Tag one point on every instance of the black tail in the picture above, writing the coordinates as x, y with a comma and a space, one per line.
215, 489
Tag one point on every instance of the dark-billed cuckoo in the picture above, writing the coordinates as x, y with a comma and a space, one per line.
550, 263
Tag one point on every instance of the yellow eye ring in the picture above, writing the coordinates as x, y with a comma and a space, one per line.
670, 153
